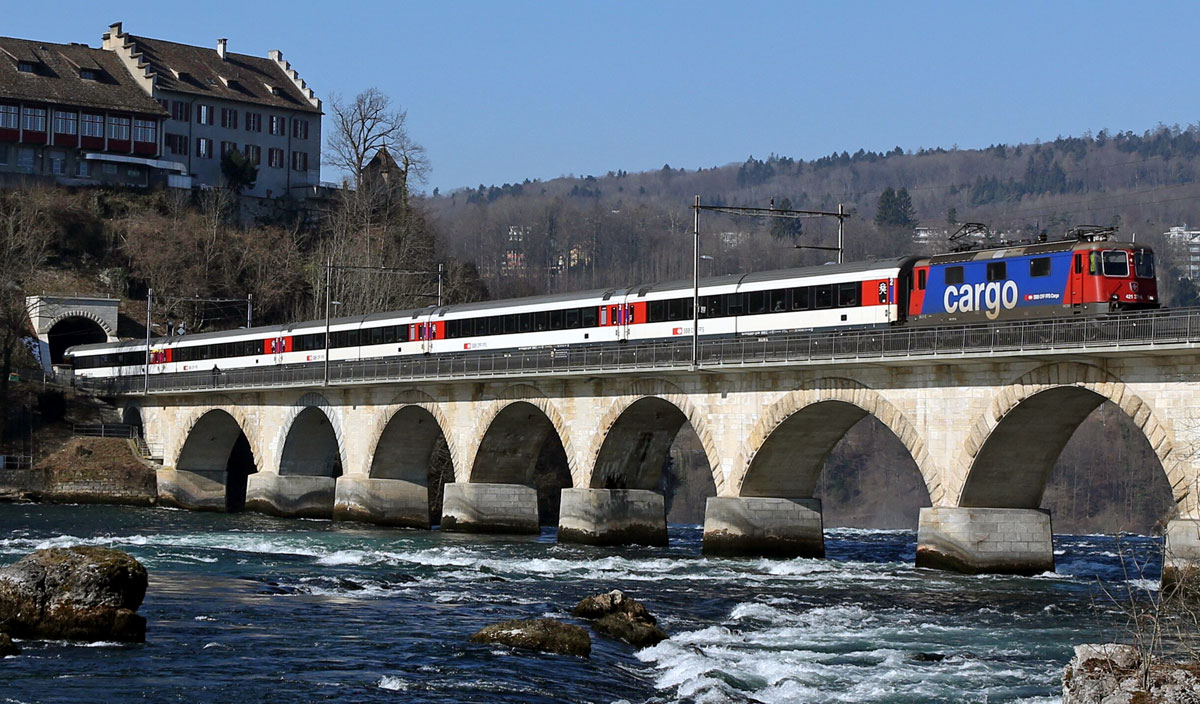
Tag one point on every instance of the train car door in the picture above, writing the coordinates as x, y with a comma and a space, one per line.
1079, 266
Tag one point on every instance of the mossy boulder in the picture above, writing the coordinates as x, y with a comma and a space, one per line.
622, 617
542, 634
78, 593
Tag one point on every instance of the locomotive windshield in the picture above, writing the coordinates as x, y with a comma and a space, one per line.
1116, 263
1143, 264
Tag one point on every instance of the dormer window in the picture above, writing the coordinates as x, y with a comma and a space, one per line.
26, 67
89, 74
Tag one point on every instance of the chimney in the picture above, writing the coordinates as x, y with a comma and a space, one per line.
221, 48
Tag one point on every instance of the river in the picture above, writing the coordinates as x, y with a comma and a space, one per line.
249, 608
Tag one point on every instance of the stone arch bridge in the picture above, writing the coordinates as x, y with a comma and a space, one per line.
984, 429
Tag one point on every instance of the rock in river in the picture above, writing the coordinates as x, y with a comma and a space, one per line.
621, 617
7, 647
78, 593
544, 634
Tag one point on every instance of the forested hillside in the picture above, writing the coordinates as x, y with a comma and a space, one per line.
617, 228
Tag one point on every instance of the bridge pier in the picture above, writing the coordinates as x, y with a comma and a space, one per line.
612, 517
197, 491
985, 540
298, 495
1181, 559
763, 526
489, 508
387, 502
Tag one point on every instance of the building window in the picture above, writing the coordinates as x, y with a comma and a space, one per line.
277, 124
110, 169
8, 117
25, 159
25, 67
254, 122
65, 122
83, 168
93, 125
33, 119
204, 147
204, 114
299, 129
134, 171
118, 127
227, 147
88, 74
177, 144
58, 163
254, 154
181, 111
299, 161
145, 131
229, 118
275, 158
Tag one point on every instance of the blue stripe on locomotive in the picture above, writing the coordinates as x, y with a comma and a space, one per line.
1018, 290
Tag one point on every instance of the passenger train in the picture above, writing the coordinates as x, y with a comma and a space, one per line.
1043, 280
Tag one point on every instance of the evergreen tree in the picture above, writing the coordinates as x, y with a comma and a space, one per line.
886, 207
239, 172
786, 228
895, 209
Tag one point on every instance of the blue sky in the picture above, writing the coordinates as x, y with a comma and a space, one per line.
502, 91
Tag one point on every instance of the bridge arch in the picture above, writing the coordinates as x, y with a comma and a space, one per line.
511, 436
405, 437
1002, 465
312, 439
785, 452
635, 435
216, 447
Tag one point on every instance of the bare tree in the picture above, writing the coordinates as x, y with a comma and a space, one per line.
364, 126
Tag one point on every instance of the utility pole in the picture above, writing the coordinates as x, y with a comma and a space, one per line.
249, 310
328, 281
149, 297
696, 286
441, 267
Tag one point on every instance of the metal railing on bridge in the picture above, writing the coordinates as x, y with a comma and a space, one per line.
104, 430
1132, 330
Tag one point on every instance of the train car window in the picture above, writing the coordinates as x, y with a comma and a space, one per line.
954, 275
1116, 263
1143, 264
823, 296
921, 279
556, 320
779, 300
658, 311
713, 307
848, 294
572, 318
801, 298
389, 334
510, 324
451, 329
494, 325
480, 327
687, 309
675, 309
401, 333
733, 304
756, 302
525, 322
376, 336
541, 321
1039, 266
604, 315
1078, 263
997, 271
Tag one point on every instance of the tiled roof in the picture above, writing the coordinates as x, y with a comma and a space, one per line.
56, 77
200, 71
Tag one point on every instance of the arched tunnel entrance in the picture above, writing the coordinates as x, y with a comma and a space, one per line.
218, 452
68, 332
521, 446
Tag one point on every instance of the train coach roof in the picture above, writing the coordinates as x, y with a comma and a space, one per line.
1026, 250
779, 274
597, 293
